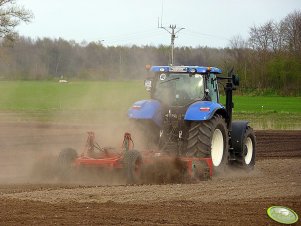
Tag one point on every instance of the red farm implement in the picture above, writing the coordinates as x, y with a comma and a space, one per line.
130, 162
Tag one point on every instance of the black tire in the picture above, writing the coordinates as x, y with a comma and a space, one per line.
65, 162
132, 161
246, 158
200, 141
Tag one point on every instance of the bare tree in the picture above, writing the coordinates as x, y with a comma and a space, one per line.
264, 37
237, 42
11, 15
291, 28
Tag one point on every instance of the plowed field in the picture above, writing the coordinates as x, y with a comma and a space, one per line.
31, 195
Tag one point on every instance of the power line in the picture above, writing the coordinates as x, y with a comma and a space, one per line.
147, 34
192, 32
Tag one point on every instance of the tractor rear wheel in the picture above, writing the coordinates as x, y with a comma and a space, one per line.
247, 156
209, 139
132, 161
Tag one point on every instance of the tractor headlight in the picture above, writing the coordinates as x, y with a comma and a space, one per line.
192, 70
148, 84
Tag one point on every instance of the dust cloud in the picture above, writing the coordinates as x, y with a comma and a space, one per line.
166, 171
29, 149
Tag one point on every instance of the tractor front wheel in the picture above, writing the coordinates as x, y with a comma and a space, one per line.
209, 139
246, 157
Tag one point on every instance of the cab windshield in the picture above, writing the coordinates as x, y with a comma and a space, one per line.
179, 88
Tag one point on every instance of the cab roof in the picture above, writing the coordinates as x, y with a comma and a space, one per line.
186, 69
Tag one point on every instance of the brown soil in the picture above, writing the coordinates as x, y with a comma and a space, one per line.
30, 194
278, 144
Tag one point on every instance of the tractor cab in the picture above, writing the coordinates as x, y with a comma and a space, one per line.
182, 85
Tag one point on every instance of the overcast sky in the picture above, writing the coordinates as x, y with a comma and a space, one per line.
126, 22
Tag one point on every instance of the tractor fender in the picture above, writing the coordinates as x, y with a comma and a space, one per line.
237, 135
147, 110
204, 110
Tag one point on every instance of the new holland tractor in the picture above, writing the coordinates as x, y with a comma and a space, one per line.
184, 116
183, 122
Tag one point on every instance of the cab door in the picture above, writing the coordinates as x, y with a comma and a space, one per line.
213, 88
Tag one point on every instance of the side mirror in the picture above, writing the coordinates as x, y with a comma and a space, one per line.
148, 84
235, 80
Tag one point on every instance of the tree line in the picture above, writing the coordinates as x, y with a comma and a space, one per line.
269, 60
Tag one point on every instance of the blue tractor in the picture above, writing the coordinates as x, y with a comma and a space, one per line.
184, 116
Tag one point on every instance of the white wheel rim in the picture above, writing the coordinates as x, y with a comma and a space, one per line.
217, 147
249, 154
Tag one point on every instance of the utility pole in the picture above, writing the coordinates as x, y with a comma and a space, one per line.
172, 30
